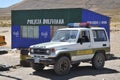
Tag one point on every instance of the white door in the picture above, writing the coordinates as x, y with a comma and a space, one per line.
100, 39
83, 46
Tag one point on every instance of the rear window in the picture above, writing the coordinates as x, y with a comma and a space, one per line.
99, 35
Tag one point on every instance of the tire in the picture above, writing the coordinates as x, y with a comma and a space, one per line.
75, 65
37, 67
98, 61
62, 66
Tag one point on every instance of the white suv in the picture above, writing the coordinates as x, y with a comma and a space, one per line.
70, 46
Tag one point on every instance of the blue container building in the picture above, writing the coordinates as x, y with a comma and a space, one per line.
37, 26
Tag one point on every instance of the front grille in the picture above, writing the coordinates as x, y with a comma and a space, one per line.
39, 51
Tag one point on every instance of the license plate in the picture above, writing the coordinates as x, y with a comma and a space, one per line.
36, 60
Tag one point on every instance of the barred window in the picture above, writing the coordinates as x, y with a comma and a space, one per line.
30, 31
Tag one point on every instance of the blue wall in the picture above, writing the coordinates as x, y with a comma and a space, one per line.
19, 42
96, 19
68, 15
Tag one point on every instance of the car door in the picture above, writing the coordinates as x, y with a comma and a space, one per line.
100, 39
83, 46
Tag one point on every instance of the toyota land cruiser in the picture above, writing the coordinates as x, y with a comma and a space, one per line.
69, 47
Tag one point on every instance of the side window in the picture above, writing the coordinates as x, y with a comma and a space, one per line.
85, 36
99, 35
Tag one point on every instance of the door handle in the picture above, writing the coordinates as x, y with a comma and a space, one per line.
104, 44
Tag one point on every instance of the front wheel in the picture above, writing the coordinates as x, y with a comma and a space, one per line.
62, 66
98, 61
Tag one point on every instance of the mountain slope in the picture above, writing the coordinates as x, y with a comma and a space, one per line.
107, 7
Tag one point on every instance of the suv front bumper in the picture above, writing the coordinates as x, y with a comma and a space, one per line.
42, 61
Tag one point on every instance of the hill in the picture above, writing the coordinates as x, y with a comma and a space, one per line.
95, 5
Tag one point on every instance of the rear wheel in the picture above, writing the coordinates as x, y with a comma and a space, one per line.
98, 61
37, 67
62, 66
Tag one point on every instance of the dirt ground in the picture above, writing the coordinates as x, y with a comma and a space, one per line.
83, 72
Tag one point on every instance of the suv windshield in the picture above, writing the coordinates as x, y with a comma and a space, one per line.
65, 36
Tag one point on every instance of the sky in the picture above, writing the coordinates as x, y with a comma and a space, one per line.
7, 3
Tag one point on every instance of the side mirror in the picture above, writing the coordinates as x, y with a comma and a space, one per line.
80, 41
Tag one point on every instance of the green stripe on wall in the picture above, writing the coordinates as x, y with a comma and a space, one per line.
20, 17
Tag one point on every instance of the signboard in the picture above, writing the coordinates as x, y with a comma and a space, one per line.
44, 21
46, 16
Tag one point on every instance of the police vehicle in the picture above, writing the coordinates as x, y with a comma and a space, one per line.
70, 46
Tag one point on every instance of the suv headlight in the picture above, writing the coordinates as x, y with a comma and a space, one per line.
32, 50
52, 50
48, 51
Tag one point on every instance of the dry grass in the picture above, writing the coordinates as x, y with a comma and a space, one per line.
5, 21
